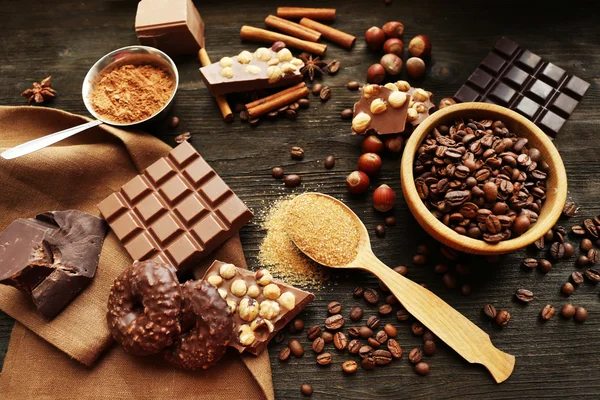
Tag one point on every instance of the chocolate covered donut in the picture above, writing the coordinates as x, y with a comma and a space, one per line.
207, 326
144, 307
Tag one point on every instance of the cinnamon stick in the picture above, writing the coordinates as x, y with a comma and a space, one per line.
262, 35
342, 38
275, 95
282, 99
292, 28
320, 14
221, 100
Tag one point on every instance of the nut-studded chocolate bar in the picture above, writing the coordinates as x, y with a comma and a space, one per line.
250, 71
261, 306
177, 212
381, 110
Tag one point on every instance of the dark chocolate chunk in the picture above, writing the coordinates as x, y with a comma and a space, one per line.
552, 74
493, 63
528, 61
466, 94
576, 87
563, 105
52, 257
551, 123
526, 107
502, 94
480, 79
515, 77
539, 91
506, 47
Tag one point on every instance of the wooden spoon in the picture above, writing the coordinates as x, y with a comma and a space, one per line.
466, 338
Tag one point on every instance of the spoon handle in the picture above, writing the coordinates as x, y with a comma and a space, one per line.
462, 335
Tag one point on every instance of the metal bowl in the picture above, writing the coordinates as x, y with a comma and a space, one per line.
135, 55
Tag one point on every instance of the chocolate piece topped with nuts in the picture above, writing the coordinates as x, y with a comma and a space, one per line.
421, 104
261, 306
248, 71
381, 110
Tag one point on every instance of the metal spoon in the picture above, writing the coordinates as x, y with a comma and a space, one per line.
466, 338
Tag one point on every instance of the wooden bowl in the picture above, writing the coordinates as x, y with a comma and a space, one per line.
556, 184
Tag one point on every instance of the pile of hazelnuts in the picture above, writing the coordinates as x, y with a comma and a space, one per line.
389, 38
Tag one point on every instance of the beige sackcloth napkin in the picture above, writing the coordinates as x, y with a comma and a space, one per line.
73, 356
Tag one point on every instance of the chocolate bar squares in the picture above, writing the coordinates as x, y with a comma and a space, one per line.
516, 78
178, 211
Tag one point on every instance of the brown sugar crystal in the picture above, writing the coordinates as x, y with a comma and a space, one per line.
131, 93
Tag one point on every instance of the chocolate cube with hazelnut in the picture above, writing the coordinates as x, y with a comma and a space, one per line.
381, 110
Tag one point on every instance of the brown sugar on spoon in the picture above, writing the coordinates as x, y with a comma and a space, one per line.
131, 93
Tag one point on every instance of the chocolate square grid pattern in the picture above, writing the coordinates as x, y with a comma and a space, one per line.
177, 211
516, 78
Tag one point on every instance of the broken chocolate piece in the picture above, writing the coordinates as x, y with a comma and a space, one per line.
52, 257
387, 115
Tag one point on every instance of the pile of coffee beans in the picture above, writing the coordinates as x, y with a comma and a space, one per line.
480, 179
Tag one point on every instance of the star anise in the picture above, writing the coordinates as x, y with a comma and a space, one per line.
40, 92
312, 65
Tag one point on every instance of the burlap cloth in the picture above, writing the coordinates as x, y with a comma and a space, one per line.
73, 356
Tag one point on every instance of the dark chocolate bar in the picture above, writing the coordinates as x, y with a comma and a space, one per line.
52, 257
177, 211
261, 305
248, 71
516, 78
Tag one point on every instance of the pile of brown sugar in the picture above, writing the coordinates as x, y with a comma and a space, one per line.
131, 93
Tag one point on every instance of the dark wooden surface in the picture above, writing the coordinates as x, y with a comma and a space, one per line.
556, 359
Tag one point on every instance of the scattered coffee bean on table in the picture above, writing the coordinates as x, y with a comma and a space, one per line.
417, 328
577, 277
313, 332
297, 153
324, 359
334, 322
385, 309
340, 341
422, 368
415, 356
329, 162
358, 292
318, 345
567, 288
390, 330
356, 313
334, 307
277, 173
530, 263
547, 312
544, 265
382, 357
524, 295
429, 348
402, 315
349, 366
365, 332
353, 85
297, 325
581, 314
394, 348
284, 354
347, 113
502, 317
371, 296
296, 348
568, 311
306, 389
368, 363
380, 231
381, 337
316, 89
292, 180
327, 337
373, 322
373, 342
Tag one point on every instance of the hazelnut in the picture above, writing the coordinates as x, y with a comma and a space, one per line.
415, 67
244, 57
215, 280
357, 182
269, 309
378, 106
391, 63
369, 163
375, 73
222, 293
445, 102
412, 114
370, 90
226, 62
391, 86
284, 55
393, 29
274, 74
361, 122
273, 61
238, 288
394, 143
421, 95
397, 99
259, 323
394, 46
419, 46
248, 309
384, 198
232, 305
253, 291
263, 277
227, 72
287, 300
297, 62
374, 37
278, 45
287, 68
262, 54
372, 144
403, 86
245, 335
227, 271
420, 107
252, 70
271, 291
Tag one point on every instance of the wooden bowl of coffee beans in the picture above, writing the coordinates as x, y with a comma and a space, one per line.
483, 179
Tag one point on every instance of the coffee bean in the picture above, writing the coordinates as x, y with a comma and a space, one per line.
373, 342
544, 265
391, 300
569, 249
593, 274
297, 153
253, 122
358, 292
365, 332
539, 244
318, 345
279, 337
382, 357
428, 335
329, 162
347, 113
490, 311
578, 230
568, 311
296, 325
277, 173
401, 269
385, 309
349, 366
394, 348
390, 221
502, 317
327, 337
284, 354
304, 103
324, 359
567, 288
419, 259
325, 94
381, 337
429, 348
291, 115
380, 231
294, 106
577, 277
390, 330
530, 263
365, 351
334, 307
313, 332
581, 314
373, 322
356, 313
296, 348
547, 312
557, 250
592, 256
371, 296
524, 295
316, 89
415, 355
354, 346
585, 245
417, 328
449, 280
340, 341
306, 389
402, 315
582, 261
465, 289
422, 368
353, 85
368, 363
292, 180
334, 322
354, 331
590, 228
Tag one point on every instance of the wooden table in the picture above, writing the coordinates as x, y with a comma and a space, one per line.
554, 359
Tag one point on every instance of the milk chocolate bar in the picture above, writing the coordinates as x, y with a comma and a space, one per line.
177, 211
377, 112
52, 257
248, 71
261, 306
173, 26
514, 77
